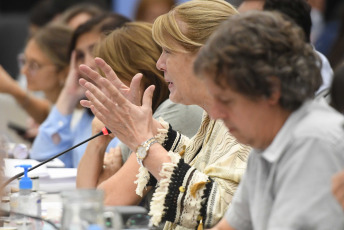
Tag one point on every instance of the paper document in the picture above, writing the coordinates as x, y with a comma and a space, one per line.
11, 170
50, 179
56, 163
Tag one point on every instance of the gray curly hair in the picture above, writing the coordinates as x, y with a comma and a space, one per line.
251, 48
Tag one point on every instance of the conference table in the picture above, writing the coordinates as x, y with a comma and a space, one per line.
51, 180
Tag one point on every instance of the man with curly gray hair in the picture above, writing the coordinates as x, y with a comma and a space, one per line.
263, 75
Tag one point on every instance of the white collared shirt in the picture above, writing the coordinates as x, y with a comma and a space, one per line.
288, 185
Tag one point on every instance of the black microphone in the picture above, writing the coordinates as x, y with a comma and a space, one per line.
105, 131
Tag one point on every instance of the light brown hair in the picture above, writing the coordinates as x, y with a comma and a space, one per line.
130, 50
54, 40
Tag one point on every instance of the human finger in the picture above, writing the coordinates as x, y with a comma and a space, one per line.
104, 109
98, 99
103, 83
135, 89
82, 82
147, 97
98, 114
72, 78
109, 73
89, 72
85, 103
114, 156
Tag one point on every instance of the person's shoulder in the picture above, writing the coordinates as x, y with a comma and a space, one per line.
170, 106
320, 121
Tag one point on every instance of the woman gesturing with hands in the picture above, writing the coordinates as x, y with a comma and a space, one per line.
115, 104
132, 93
142, 55
132, 124
198, 176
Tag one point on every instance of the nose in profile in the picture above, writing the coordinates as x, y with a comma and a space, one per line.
160, 64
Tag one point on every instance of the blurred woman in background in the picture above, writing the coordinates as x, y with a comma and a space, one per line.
197, 177
45, 63
58, 132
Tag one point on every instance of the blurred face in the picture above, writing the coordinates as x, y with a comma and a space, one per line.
84, 50
40, 72
246, 119
184, 87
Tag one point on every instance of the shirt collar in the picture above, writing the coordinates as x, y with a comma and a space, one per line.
276, 149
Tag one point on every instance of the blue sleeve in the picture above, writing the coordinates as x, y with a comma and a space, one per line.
43, 146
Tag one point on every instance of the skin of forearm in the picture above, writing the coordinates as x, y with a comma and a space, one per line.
156, 156
119, 189
37, 108
91, 164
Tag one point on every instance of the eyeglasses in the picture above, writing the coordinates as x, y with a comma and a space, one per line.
33, 66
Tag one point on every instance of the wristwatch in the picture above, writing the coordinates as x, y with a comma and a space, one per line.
142, 150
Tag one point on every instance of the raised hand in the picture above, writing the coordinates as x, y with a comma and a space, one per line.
112, 163
72, 92
132, 124
132, 93
72, 85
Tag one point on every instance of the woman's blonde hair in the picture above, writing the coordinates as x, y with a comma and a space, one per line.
190, 24
130, 50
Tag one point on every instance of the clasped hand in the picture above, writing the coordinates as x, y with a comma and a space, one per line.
117, 105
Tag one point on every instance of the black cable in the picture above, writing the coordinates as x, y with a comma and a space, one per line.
105, 131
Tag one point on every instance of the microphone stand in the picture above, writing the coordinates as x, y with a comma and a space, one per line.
105, 131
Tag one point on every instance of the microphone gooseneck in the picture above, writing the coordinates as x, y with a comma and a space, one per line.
105, 131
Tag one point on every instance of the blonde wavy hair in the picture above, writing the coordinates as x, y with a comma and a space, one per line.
130, 50
190, 24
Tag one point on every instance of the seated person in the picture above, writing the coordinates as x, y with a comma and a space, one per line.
58, 133
198, 176
142, 55
263, 75
45, 64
